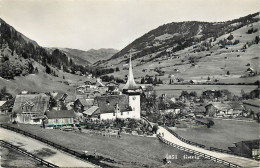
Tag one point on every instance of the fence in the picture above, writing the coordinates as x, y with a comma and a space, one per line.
203, 146
91, 159
229, 152
183, 139
43, 162
198, 153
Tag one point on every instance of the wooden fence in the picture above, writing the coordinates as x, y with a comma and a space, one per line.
203, 146
79, 155
183, 139
200, 154
43, 162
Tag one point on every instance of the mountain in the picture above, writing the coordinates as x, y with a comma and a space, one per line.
179, 35
89, 57
219, 51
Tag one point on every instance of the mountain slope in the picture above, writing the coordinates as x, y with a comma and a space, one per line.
198, 51
90, 56
179, 35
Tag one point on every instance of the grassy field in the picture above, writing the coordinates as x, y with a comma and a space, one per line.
175, 90
131, 151
12, 158
216, 65
223, 134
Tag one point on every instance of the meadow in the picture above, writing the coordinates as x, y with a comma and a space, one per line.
222, 134
175, 90
129, 150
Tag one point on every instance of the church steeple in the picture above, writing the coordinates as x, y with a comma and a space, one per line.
130, 85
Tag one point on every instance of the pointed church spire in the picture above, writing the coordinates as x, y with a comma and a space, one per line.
130, 85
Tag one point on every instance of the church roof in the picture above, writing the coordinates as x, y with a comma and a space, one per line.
107, 104
130, 85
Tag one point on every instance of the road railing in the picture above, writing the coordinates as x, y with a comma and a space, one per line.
79, 155
183, 139
41, 161
199, 154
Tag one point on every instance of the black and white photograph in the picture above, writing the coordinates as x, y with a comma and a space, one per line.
129, 83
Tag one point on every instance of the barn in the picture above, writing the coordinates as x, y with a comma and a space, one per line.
30, 108
60, 118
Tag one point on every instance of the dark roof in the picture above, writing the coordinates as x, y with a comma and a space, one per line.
86, 102
107, 104
36, 103
60, 96
236, 105
252, 144
60, 114
112, 84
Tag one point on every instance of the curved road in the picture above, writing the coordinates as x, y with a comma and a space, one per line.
241, 161
38, 148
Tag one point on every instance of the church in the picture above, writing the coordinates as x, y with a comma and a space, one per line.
126, 105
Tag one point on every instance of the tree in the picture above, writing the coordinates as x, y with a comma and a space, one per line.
142, 81
228, 73
48, 69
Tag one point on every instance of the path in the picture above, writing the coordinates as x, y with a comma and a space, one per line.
241, 161
33, 146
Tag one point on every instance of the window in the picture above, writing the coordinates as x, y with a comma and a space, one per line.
121, 113
114, 114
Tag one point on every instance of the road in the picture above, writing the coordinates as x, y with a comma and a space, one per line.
241, 161
42, 150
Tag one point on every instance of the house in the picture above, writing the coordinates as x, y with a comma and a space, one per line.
218, 109
249, 148
252, 106
1, 104
237, 107
59, 99
112, 87
7, 106
60, 118
83, 104
30, 108
92, 113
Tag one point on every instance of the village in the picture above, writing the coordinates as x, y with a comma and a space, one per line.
108, 109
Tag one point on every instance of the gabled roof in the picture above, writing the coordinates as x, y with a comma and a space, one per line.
35, 103
220, 106
236, 105
2, 103
91, 110
112, 84
86, 102
60, 114
107, 104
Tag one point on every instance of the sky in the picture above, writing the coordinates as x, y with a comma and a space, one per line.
87, 24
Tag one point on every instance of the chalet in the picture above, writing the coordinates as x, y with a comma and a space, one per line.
218, 109
59, 118
30, 108
82, 104
113, 87
92, 113
59, 98
7, 106
252, 106
249, 148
